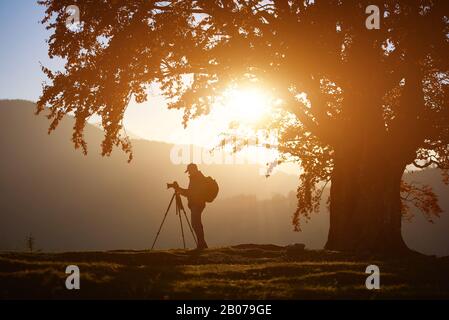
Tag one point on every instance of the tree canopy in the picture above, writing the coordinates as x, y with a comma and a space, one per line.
343, 89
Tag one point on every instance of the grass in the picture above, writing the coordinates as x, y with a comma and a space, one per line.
240, 272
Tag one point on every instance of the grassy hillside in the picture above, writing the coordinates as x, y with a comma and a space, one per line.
244, 272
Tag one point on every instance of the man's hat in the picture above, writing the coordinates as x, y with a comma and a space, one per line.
191, 167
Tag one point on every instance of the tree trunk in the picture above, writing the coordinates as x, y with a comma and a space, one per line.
365, 209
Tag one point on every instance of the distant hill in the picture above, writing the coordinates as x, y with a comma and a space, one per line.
69, 201
424, 236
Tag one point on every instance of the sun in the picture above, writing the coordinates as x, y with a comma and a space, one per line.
246, 106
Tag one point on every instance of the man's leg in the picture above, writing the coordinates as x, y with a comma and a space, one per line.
198, 226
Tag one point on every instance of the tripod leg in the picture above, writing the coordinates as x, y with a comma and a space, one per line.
181, 207
178, 211
163, 220
190, 226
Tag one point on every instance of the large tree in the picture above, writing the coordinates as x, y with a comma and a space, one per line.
358, 105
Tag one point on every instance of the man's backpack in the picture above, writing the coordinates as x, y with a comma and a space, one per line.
210, 189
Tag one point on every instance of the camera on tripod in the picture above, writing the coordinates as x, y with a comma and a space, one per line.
179, 209
173, 185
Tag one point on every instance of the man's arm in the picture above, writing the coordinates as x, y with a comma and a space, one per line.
182, 191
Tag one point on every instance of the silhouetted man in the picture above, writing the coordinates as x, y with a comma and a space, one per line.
196, 201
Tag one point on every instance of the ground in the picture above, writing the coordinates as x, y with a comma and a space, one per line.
239, 272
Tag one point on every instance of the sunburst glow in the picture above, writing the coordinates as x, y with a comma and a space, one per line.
246, 105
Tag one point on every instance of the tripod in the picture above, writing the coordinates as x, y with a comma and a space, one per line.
179, 208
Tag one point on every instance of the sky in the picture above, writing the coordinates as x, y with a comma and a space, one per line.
23, 45
24, 49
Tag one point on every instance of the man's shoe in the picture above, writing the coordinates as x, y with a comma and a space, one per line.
202, 246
